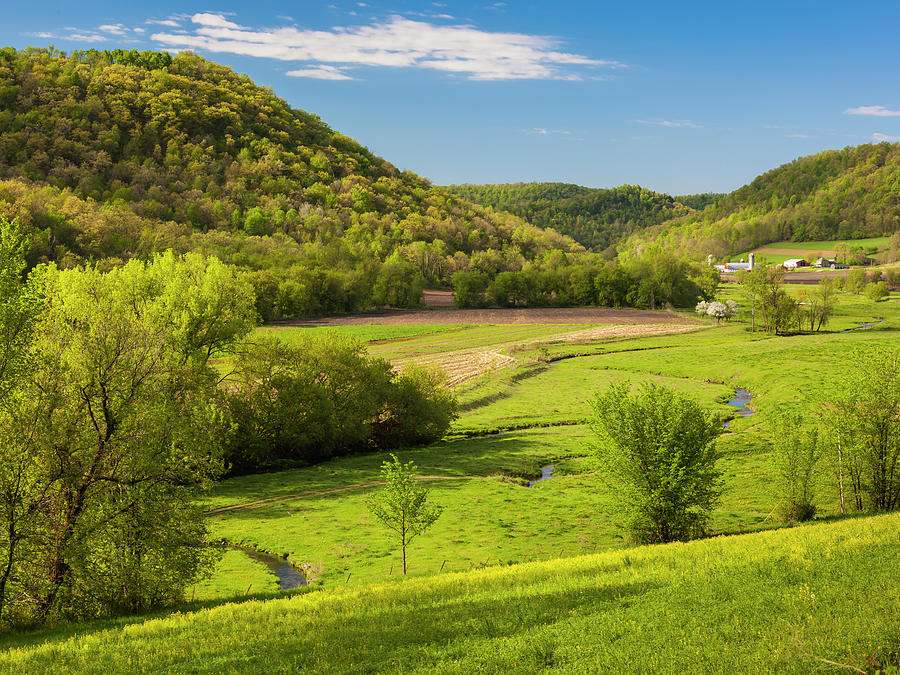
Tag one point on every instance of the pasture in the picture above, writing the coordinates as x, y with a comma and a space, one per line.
516, 578
532, 412
793, 600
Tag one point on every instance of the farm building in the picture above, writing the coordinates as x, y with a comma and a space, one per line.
832, 264
793, 263
734, 266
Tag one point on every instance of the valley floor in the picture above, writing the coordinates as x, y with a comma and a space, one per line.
517, 578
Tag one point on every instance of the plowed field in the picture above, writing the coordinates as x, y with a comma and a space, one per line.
577, 315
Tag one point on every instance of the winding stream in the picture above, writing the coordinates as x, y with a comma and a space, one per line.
740, 400
546, 472
863, 326
288, 576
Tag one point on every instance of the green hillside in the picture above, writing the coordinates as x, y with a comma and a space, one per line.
596, 218
852, 193
792, 600
187, 153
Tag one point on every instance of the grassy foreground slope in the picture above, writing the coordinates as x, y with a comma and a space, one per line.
750, 603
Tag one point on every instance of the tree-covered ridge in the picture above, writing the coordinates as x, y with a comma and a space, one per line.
192, 147
699, 201
839, 194
596, 218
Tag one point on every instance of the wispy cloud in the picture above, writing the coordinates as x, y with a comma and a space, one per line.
564, 133
321, 73
672, 124
395, 42
878, 138
873, 111
797, 136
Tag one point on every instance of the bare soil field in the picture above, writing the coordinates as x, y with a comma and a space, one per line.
537, 315
435, 298
465, 364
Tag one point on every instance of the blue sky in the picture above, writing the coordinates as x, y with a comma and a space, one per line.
677, 97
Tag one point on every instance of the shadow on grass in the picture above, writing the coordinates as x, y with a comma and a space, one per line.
26, 637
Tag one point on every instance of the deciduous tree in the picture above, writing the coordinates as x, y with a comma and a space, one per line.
658, 455
402, 505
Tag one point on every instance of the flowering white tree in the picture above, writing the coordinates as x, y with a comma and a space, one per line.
719, 310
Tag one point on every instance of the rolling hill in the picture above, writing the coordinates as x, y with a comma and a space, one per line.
852, 193
115, 154
596, 218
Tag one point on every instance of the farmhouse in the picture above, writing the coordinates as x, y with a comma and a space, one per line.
825, 262
792, 263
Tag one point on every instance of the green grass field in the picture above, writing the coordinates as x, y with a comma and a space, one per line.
521, 418
792, 601
361, 333
513, 421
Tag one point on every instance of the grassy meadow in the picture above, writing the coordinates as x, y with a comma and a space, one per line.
793, 600
517, 579
533, 413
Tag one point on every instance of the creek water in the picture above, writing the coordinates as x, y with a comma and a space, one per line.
546, 472
740, 400
862, 326
288, 575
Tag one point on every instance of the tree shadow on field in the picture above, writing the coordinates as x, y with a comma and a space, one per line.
413, 627
46, 635
276, 511
514, 453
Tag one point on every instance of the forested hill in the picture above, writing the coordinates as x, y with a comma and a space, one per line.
188, 153
838, 194
596, 218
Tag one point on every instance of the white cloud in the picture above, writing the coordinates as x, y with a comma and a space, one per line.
321, 73
115, 29
395, 42
85, 37
873, 111
672, 124
171, 22
214, 21
878, 138
541, 131
797, 136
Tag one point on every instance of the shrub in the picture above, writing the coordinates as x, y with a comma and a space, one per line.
657, 453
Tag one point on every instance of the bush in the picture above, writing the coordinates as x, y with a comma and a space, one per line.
325, 396
420, 409
796, 456
877, 291
469, 288
657, 453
